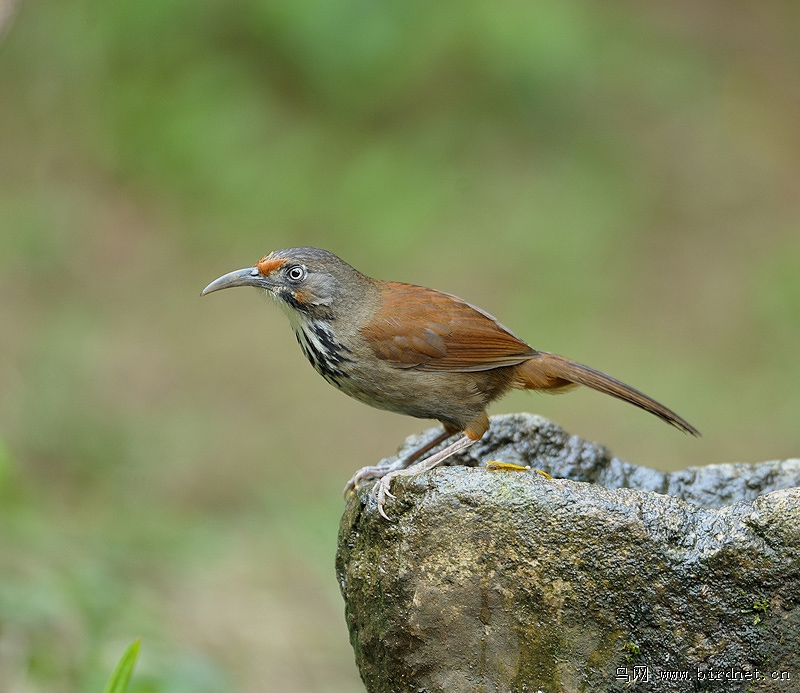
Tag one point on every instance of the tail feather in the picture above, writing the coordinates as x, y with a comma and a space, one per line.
553, 373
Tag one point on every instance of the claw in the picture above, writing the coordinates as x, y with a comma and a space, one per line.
351, 487
382, 491
364, 474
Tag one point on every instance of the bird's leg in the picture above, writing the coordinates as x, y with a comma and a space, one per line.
382, 486
377, 471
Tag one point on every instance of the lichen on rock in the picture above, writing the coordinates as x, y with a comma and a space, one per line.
506, 581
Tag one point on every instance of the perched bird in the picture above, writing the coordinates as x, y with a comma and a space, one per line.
413, 351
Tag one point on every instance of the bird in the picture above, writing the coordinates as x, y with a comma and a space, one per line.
413, 350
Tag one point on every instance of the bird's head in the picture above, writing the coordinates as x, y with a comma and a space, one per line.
305, 280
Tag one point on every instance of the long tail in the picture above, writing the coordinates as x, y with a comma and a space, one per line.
551, 372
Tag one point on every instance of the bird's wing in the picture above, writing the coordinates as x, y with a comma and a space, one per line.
433, 331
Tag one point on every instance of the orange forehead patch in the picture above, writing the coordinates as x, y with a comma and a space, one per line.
268, 264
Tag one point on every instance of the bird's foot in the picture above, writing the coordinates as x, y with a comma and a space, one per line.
379, 471
383, 484
365, 474
381, 489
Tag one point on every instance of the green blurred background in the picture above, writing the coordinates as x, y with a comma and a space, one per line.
618, 182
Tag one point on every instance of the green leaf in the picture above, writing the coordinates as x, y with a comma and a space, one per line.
118, 683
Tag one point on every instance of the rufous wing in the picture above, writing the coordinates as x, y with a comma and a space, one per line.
433, 331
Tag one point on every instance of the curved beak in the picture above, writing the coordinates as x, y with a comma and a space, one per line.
250, 276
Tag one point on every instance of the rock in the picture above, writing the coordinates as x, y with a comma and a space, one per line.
500, 581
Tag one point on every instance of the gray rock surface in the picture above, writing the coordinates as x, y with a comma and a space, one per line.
501, 581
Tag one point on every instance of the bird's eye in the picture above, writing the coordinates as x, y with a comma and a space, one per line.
296, 273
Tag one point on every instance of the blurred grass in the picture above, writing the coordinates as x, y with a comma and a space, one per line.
616, 182
120, 677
